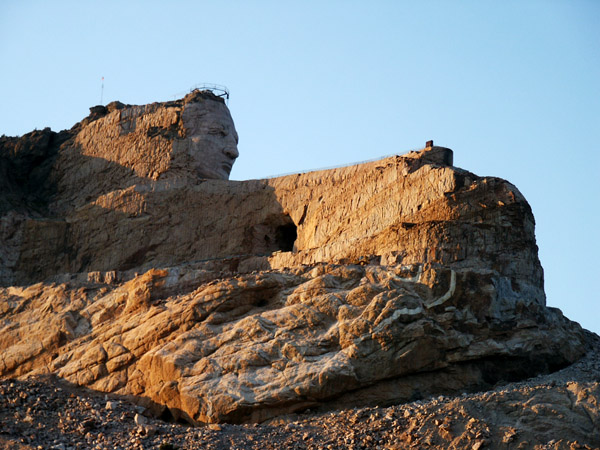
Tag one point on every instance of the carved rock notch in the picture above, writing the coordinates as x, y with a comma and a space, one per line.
285, 236
277, 232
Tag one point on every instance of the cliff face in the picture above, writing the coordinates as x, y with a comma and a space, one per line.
396, 211
51, 179
213, 300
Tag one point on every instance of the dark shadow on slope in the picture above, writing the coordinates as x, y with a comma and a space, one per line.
99, 216
25, 163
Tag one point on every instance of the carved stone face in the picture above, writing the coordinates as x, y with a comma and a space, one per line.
212, 139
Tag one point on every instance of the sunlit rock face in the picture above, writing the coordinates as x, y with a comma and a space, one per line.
48, 176
207, 300
211, 139
119, 146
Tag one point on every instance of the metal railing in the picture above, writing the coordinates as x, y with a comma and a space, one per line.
217, 89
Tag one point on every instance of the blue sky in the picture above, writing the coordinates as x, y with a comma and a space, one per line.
513, 87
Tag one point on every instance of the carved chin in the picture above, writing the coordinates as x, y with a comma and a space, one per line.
226, 168
213, 174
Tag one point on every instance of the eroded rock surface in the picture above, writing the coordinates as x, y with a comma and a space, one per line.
49, 179
218, 301
216, 347
559, 411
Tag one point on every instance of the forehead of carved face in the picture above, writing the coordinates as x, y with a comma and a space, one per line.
212, 139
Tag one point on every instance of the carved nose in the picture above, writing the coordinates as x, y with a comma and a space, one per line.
231, 152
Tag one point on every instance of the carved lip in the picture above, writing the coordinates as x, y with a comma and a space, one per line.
227, 166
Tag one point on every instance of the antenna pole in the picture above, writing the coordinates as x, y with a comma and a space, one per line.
102, 91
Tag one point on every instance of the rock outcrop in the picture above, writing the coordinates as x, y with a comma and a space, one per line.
212, 346
559, 411
50, 180
220, 301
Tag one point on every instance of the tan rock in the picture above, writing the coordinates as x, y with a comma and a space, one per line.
220, 301
254, 346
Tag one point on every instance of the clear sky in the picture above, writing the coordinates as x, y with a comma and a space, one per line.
512, 86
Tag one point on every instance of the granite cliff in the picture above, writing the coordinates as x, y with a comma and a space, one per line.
131, 269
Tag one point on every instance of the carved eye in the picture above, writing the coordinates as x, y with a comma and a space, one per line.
217, 132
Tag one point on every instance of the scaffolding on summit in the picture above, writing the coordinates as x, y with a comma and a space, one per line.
217, 89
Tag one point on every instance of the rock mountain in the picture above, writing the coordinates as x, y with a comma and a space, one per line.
131, 265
